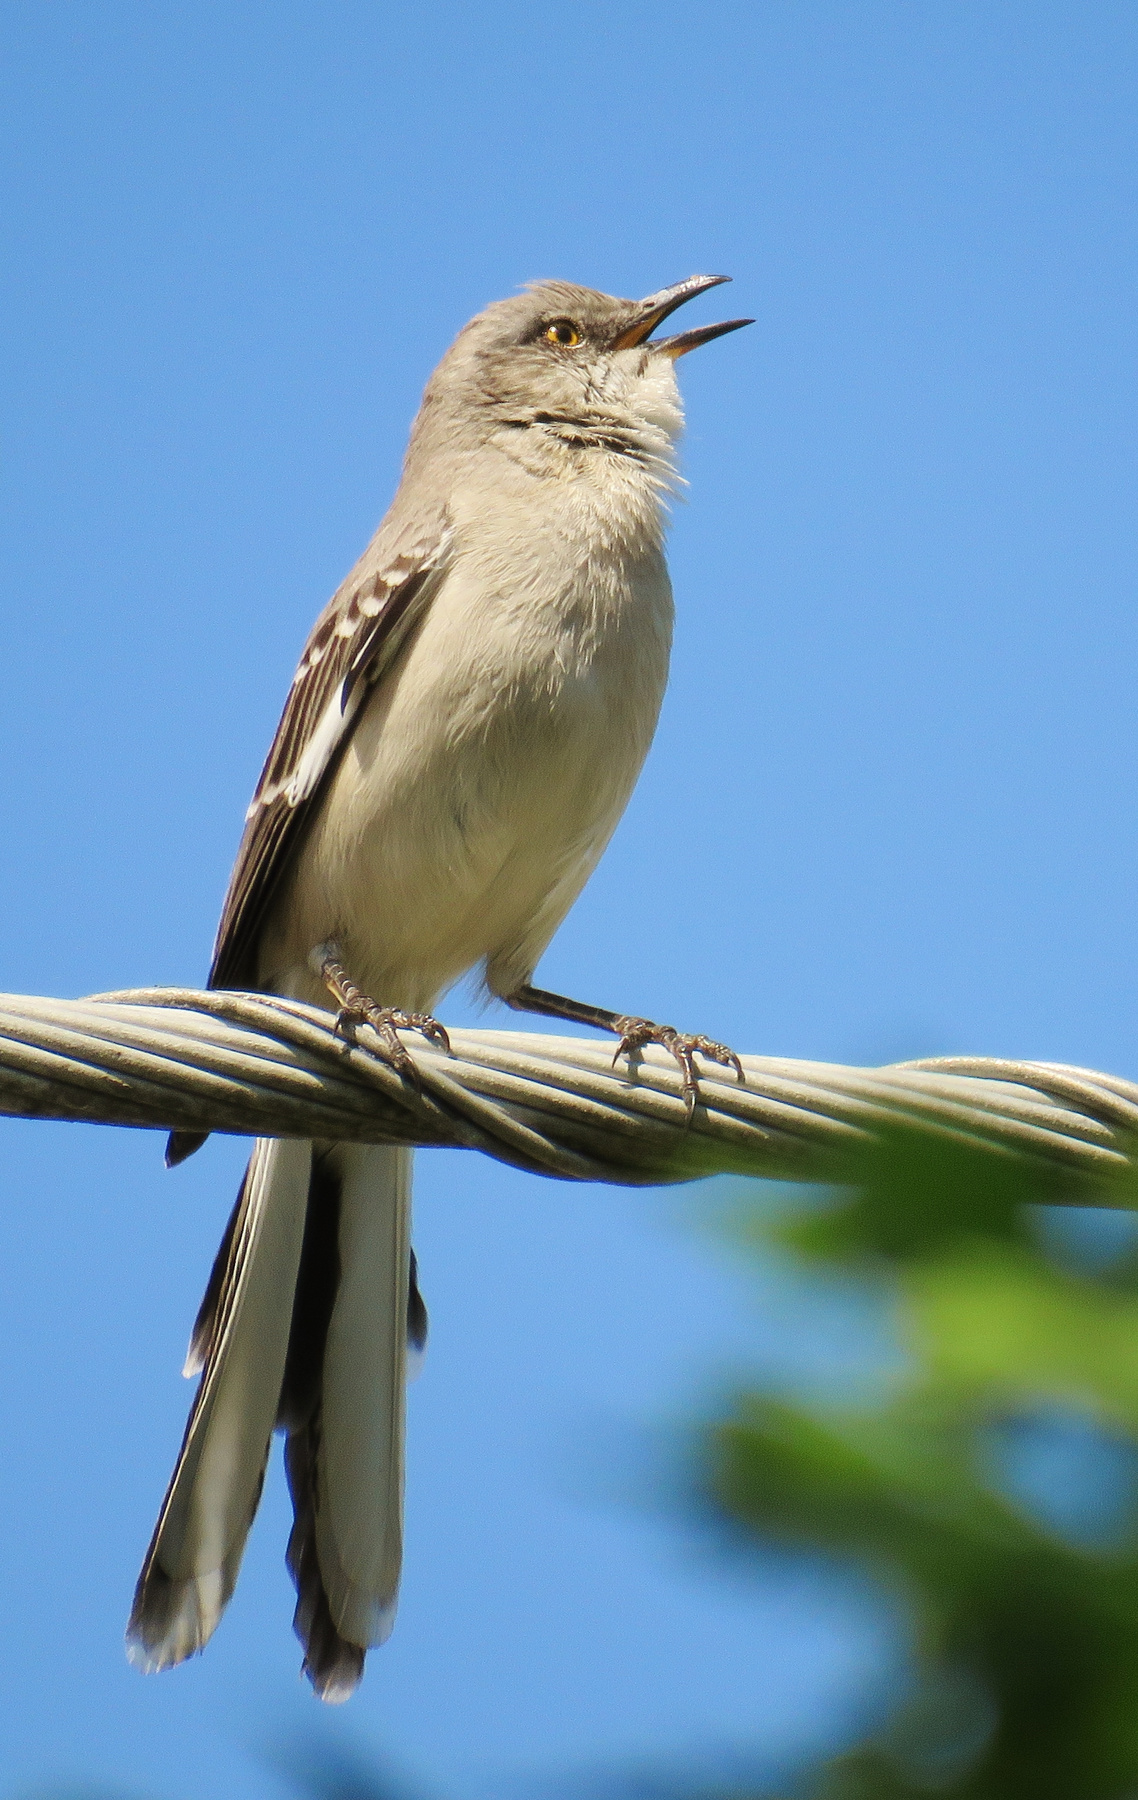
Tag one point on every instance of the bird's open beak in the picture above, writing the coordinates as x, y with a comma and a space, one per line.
657, 307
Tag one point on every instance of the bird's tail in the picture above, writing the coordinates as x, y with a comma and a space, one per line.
304, 1325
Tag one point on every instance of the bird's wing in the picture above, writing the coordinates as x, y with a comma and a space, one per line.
353, 641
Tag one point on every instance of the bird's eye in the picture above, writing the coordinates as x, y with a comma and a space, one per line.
562, 332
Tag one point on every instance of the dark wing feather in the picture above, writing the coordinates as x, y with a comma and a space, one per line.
353, 641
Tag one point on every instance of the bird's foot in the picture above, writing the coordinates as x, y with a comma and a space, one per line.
683, 1045
357, 1008
633, 1033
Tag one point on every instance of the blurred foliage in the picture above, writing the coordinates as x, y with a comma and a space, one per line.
993, 1487
318, 1768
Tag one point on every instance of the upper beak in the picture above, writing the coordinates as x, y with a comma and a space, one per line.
657, 307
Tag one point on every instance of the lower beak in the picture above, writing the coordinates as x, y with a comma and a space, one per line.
657, 307
691, 340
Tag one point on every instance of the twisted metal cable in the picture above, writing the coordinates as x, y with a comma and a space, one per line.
251, 1064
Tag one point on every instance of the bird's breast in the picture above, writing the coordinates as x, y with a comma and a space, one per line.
493, 759
534, 683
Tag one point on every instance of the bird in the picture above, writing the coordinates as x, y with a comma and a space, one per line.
466, 724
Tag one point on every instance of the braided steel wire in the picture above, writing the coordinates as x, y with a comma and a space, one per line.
252, 1064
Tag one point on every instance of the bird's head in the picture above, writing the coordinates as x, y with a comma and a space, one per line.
576, 364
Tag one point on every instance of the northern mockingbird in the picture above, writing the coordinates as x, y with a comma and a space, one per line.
466, 725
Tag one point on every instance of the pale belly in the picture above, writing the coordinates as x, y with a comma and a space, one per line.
480, 786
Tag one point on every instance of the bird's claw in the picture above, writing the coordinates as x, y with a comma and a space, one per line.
357, 1008
683, 1045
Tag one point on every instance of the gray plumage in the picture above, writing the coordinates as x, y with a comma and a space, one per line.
465, 727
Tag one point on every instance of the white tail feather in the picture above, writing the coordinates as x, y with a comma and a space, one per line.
359, 1518
192, 1564
304, 1324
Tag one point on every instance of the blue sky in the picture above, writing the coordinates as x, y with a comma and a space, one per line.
889, 810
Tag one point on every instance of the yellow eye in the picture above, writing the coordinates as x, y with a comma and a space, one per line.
562, 332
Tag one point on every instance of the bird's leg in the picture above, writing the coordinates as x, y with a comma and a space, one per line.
358, 1008
633, 1034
